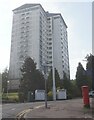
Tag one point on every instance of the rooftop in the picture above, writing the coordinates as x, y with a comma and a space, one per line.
32, 5
51, 14
25, 6
54, 14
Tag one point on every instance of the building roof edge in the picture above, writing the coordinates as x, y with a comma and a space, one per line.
25, 6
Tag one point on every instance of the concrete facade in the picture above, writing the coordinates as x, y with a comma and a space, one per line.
40, 35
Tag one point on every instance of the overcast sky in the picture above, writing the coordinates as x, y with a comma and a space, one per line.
77, 15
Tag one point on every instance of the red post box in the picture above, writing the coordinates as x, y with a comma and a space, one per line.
85, 94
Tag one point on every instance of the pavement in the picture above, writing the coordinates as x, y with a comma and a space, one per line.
61, 109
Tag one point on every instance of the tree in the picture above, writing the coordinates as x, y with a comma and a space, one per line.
5, 80
67, 85
0, 82
90, 70
31, 79
50, 80
75, 92
81, 78
66, 82
58, 81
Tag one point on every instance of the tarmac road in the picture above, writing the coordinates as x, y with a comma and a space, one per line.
56, 109
12, 110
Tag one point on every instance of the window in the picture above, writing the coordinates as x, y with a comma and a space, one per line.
50, 62
50, 52
27, 31
49, 26
22, 32
62, 61
50, 38
22, 19
56, 17
27, 22
50, 48
27, 17
50, 57
21, 56
27, 26
49, 34
61, 42
40, 46
22, 27
48, 18
23, 14
50, 43
21, 37
63, 66
27, 13
22, 22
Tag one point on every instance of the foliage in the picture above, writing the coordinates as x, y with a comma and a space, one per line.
21, 96
0, 82
81, 78
50, 80
71, 87
4, 80
67, 85
31, 79
66, 82
75, 92
90, 70
11, 97
50, 95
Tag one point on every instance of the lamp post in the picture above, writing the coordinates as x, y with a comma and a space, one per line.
53, 64
54, 87
45, 77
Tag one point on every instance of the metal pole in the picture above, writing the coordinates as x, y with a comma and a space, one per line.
53, 70
54, 88
45, 94
45, 76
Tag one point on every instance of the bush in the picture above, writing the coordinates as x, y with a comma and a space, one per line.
69, 96
11, 97
50, 95
21, 97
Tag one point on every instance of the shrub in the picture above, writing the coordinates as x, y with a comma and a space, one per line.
21, 97
69, 96
50, 95
11, 97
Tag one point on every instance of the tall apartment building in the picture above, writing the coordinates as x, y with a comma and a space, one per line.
40, 35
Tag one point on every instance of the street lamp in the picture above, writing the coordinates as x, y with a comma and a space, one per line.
53, 64
45, 77
54, 87
7, 88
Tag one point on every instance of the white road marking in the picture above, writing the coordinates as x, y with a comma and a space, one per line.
38, 106
13, 109
24, 112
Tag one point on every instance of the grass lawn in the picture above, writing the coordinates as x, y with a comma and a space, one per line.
11, 96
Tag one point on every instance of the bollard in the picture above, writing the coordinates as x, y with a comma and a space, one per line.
85, 94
